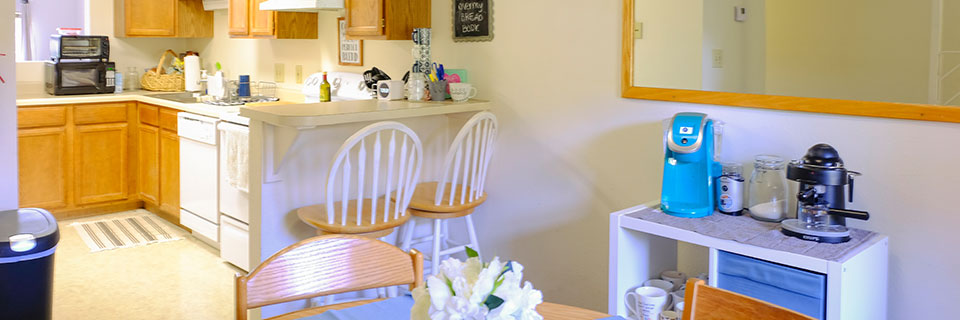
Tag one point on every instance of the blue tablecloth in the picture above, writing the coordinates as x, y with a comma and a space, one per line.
396, 308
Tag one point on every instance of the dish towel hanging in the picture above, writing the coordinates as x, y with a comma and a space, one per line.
238, 146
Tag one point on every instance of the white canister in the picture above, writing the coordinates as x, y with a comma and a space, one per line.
191, 73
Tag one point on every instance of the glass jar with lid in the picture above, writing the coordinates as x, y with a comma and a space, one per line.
767, 190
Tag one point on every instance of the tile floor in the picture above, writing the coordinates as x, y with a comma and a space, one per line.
183, 279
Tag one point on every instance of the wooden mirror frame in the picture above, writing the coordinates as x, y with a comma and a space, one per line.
894, 110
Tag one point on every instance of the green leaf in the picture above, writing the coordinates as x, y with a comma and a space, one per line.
493, 302
450, 285
472, 253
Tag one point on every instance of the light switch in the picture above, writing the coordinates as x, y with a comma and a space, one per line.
740, 14
717, 58
299, 73
278, 73
638, 30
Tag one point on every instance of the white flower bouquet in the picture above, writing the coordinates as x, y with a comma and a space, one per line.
473, 290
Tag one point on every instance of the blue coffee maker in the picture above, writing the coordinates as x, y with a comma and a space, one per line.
690, 167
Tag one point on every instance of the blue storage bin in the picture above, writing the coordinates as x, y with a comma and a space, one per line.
799, 290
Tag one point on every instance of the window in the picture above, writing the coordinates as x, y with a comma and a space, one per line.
37, 20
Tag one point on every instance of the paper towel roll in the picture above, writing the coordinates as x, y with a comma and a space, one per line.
191, 73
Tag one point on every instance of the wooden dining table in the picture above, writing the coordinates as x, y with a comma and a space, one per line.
549, 311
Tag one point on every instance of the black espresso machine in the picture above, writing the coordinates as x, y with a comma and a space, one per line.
821, 211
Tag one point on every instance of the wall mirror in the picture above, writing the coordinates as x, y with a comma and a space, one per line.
891, 58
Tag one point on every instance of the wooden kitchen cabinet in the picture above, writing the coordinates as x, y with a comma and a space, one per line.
77, 160
149, 168
169, 165
44, 161
100, 158
165, 18
385, 19
246, 20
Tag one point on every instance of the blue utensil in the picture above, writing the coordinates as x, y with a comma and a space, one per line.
439, 67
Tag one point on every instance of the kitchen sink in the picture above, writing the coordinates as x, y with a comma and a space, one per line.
182, 97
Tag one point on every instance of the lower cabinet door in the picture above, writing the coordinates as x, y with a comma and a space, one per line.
100, 153
149, 164
44, 167
170, 174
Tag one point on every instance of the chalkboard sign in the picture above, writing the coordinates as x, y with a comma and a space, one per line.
472, 20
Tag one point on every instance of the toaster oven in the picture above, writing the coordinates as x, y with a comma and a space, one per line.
79, 47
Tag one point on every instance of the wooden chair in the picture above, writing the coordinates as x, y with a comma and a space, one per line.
458, 192
326, 265
362, 177
703, 302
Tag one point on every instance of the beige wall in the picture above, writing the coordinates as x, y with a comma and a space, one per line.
849, 49
673, 39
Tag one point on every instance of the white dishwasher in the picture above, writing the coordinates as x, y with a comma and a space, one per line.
198, 175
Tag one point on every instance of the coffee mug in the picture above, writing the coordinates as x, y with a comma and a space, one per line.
648, 302
659, 283
669, 315
676, 277
676, 297
462, 91
679, 309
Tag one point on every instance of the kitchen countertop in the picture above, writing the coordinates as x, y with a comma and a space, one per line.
308, 115
33, 95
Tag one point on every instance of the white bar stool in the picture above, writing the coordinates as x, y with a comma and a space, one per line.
370, 184
459, 191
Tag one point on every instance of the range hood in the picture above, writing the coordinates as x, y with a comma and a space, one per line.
301, 5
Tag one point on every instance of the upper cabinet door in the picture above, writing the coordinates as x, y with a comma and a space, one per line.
261, 22
150, 18
100, 153
364, 17
239, 17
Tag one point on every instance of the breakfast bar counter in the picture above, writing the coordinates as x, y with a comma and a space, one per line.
337, 112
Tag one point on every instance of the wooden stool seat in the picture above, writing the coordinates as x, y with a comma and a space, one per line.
440, 215
316, 216
424, 197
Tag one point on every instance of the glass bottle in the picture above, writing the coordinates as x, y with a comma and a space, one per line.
131, 79
768, 189
324, 89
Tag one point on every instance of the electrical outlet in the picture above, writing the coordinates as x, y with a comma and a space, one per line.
638, 30
299, 72
717, 58
278, 73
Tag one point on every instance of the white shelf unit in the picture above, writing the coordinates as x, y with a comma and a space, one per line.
640, 250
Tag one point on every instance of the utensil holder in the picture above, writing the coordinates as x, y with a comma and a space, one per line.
438, 90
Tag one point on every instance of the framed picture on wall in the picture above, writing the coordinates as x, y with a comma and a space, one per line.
351, 51
472, 20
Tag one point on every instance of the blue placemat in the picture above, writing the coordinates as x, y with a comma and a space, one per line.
396, 308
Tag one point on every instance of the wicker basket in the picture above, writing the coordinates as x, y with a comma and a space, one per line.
158, 80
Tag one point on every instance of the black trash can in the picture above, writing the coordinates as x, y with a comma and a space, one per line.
28, 238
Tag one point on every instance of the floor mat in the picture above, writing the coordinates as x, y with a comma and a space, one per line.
124, 232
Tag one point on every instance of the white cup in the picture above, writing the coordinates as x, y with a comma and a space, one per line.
462, 91
648, 302
669, 315
676, 277
679, 309
676, 297
659, 283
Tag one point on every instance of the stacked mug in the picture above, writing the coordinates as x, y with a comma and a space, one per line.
658, 299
